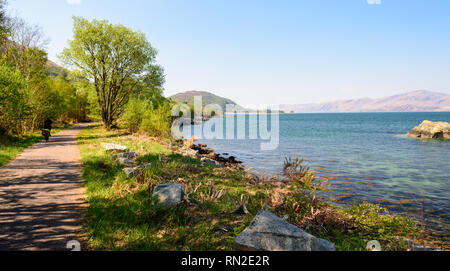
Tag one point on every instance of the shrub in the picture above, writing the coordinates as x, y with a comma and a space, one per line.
376, 223
157, 122
134, 114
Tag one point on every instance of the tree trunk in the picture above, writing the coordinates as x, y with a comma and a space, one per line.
107, 120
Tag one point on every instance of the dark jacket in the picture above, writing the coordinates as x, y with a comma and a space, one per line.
48, 124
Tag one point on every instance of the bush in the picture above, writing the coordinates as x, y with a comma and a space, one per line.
149, 116
134, 114
376, 223
13, 100
157, 122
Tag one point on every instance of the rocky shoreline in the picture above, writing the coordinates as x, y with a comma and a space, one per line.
207, 155
266, 232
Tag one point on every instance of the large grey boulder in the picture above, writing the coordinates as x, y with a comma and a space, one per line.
113, 147
170, 194
267, 232
431, 130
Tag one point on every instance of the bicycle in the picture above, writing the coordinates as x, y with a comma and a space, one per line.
46, 134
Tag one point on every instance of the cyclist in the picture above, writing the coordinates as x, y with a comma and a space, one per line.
48, 126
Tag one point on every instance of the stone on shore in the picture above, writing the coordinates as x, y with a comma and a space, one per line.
211, 162
113, 147
267, 232
431, 130
169, 195
188, 153
189, 143
131, 172
127, 155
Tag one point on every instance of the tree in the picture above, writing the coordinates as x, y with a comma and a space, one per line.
13, 100
114, 58
31, 62
26, 35
25, 46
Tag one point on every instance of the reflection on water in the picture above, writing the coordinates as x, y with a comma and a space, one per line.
366, 157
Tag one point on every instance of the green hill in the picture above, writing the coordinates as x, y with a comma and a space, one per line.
54, 69
207, 99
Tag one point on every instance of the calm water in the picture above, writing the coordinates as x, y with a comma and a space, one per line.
366, 157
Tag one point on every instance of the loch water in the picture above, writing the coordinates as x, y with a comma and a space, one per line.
365, 156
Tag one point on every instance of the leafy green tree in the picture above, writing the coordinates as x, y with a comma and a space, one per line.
44, 101
114, 58
31, 62
152, 83
13, 100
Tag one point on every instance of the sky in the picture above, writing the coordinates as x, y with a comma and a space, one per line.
278, 51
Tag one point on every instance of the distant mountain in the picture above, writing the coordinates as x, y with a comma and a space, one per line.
207, 98
416, 101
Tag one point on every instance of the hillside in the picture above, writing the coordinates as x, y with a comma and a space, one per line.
416, 101
53, 69
207, 98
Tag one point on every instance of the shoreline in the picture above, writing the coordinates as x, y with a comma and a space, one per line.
208, 155
221, 202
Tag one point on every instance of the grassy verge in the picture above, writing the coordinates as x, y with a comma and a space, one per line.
12, 146
123, 216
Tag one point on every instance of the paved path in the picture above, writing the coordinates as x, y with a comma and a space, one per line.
42, 196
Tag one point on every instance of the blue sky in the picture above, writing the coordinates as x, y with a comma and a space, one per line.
286, 52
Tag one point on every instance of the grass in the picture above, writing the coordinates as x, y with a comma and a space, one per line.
123, 216
12, 146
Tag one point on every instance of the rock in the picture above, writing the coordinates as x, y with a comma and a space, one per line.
170, 194
188, 143
432, 130
413, 246
233, 160
128, 155
190, 153
132, 171
125, 161
267, 232
326, 245
187, 153
113, 147
211, 162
